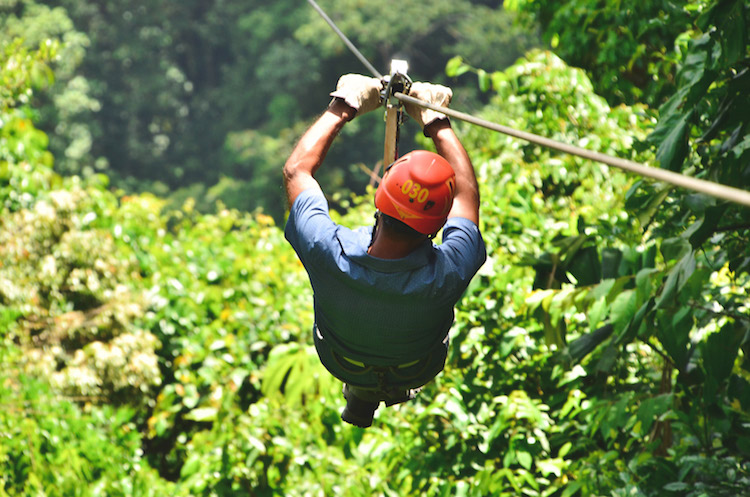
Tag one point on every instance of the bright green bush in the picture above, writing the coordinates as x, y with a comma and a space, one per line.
53, 447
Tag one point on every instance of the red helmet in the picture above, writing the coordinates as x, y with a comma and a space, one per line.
418, 190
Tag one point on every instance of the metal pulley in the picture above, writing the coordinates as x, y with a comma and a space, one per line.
397, 82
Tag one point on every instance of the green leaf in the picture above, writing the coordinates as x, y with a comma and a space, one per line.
572, 488
565, 449
584, 345
674, 248
192, 466
602, 289
597, 312
202, 414
699, 202
643, 282
674, 333
524, 459
623, 308
672, 151
652, 409
485, 82
708, 224
743, 146
677, 279
647, 204
694, 67
635, 326
611, 259
677, 486
585, 266
734, 34
538, 297
721, 349
455, 67
550, 467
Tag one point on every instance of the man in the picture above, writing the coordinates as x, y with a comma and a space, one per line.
384, 296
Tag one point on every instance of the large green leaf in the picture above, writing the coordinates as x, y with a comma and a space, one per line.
584, 345
733, 31
674, 248
294, 371
676, 279
721, 349
673, 331
673, 149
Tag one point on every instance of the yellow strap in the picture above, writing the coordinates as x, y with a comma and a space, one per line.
408, 364
362, 364
356, 363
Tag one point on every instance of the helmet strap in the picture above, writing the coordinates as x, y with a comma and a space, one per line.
374, 228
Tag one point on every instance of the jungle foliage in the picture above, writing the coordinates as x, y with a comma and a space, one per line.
151, 348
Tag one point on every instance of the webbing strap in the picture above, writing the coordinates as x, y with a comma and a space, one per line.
381, 372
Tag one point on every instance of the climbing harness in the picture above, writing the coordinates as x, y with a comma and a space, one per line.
360, 373
383, 373
717, 190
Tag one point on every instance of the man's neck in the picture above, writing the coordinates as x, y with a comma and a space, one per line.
384, 247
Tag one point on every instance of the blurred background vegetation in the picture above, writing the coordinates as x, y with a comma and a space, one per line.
205, 99
154, 324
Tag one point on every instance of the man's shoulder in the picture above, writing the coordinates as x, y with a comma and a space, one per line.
461, 226
310, 206
463, 244
311, 197
309, 222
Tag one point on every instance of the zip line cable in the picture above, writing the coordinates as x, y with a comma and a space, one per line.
708, 187
717, 190
346, 40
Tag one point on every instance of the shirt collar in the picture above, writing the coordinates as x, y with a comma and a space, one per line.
355, 244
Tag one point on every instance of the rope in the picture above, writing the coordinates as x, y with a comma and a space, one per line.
717, 190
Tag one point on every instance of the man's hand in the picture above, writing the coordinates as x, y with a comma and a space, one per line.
361, 93
312, 148
431, 93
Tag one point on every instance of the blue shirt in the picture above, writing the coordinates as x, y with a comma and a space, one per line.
381, 311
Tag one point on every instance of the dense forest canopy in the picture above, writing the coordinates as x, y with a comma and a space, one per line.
155, 326
167, 95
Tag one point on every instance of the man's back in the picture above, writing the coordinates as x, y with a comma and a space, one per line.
387, 311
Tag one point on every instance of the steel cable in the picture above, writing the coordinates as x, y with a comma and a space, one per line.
346, 41
717, 190
724, 192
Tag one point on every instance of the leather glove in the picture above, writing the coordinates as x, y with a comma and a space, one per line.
362, 93
431, 93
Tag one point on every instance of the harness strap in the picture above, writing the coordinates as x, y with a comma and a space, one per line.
380, 371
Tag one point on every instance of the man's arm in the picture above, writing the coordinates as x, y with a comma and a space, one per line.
354, 95
312, 148
466, 199
437, 126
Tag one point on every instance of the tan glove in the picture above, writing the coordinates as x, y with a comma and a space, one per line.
434, 94
362, 93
